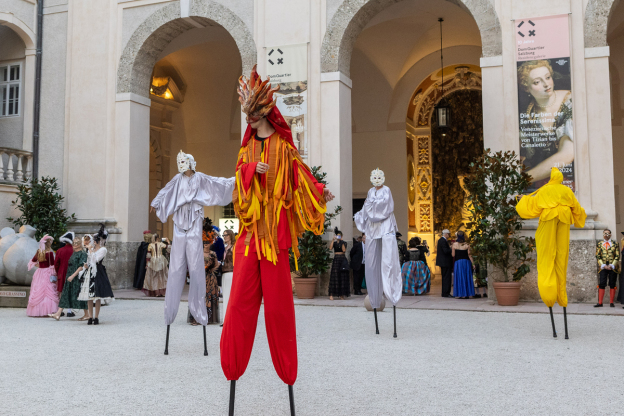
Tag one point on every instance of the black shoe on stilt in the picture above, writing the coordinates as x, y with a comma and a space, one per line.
167, 342
376, 326
232, 393
291, 398
394, 312
552, 320
205, 344
565, 323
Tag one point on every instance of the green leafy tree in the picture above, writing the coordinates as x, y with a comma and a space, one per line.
493, 182
314, 256
41, 206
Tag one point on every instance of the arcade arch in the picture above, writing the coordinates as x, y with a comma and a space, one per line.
176, 90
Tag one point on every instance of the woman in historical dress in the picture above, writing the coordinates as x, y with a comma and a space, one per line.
95, 284
549, 116
339, 275
212, 288
44, 298
463, 285
69, 296
415, 273
227, 267
155, 283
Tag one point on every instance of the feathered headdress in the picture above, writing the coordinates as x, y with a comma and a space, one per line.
101, 235
255, 95
208, 231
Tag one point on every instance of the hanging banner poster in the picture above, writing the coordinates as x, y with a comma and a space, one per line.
545, 98
288, 67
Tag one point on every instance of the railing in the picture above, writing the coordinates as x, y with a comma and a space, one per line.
15, 165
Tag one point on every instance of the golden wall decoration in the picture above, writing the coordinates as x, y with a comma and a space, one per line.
425, 218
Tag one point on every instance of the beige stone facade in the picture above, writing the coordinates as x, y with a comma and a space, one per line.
111, 141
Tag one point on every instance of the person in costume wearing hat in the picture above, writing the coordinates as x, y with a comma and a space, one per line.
61, 262
383, 270
95, 286
184, 197
141, 259
557, 208
69, 297
44, 298
608, 256
276, 199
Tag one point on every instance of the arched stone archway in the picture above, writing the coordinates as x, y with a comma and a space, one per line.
159, 29
597, 14
353, 15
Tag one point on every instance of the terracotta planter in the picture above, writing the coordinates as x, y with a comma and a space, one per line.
305, 287
507, 293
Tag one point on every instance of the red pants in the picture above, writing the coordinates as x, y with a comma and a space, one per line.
252, 279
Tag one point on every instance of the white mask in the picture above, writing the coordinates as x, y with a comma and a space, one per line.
185, 162
377, 177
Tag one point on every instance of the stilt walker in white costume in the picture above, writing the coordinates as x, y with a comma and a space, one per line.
376, 220
184, 197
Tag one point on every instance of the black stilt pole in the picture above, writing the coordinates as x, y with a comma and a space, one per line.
232, 393
565, 323
394, 311
552, 320
205, 344
167, 342
291, 396
376, 326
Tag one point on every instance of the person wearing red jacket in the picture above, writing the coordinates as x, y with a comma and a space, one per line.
276, 199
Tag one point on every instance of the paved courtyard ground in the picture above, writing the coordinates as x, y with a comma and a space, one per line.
444, 362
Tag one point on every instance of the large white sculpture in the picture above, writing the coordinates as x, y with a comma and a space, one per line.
16, 250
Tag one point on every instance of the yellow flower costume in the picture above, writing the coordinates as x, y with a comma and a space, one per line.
557, 208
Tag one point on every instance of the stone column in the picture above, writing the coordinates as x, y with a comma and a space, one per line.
494, 106
335, 145
29, 98
131, 194
598, 143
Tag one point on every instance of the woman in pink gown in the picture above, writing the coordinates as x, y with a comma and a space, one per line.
44, 298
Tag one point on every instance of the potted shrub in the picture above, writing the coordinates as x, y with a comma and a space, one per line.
493, 182
314, 258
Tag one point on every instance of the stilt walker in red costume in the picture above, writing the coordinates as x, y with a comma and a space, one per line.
276, 199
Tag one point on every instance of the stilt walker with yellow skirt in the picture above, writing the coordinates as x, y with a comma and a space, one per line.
557, 208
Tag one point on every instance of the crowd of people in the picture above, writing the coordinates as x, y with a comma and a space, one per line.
460, 273
72, 279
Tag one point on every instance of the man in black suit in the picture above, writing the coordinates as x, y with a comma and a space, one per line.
357, 264
444, 259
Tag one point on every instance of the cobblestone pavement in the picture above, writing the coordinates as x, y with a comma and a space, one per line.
443, 363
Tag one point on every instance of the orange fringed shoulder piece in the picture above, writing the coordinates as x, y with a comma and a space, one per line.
286, 187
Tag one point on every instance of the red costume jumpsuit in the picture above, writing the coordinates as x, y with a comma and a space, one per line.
274, 209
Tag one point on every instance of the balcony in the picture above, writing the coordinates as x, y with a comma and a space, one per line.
15, 166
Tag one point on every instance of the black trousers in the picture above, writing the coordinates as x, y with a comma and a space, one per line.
607, 275
447, 278
358, 278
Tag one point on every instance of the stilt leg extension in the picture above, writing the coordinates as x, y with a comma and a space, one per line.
376, 326
167, 342
565, 323
232, 393
291, 396
205, 344
394, 311
552, 321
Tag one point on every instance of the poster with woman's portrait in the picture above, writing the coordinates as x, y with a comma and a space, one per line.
546, 128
